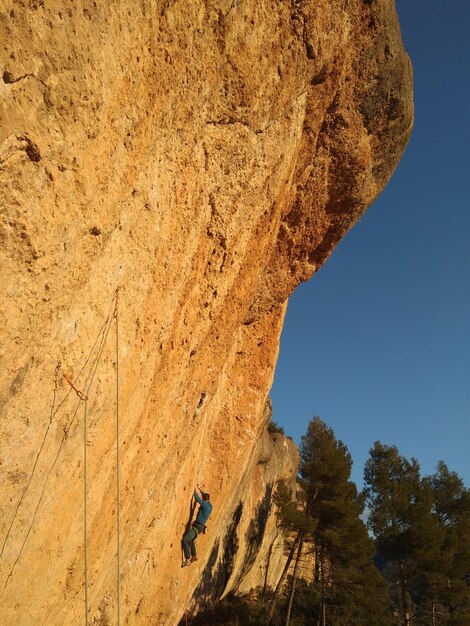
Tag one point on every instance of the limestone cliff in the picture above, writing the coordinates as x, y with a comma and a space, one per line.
250, 553
204, 157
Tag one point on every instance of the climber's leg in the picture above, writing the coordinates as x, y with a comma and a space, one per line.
193, 548
189, 548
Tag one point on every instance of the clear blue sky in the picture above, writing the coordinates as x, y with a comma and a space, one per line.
378, 342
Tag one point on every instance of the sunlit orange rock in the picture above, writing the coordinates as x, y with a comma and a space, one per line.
204, 158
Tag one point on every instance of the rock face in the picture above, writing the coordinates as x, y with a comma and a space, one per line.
204, 158
250, 554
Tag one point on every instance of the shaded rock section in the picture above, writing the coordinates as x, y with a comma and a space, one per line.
250, 552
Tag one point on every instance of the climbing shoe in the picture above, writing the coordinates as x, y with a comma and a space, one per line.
186, 563
193, 558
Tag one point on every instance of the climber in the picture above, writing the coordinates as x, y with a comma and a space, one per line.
199, 526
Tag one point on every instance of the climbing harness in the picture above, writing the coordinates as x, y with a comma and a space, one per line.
199, 528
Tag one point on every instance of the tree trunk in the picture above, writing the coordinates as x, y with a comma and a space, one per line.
283, 576
270, 551
294, 580
321, 582
405, 610
316, 573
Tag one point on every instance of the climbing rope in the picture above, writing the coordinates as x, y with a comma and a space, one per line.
51, 417
118, 472
85, 518
84, 396
53, 413
186, 609
89, 383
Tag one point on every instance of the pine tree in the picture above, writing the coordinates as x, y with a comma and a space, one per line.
351, 590
442, 552
422, 532
298, 528
393, 496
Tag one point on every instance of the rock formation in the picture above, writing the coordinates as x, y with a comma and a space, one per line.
204, 157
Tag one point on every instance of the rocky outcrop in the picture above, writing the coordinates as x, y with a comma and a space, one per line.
250, 553
204, 158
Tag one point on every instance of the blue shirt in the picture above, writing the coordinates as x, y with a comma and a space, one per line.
204, 510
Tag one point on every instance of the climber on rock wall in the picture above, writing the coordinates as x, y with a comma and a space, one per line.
198, 527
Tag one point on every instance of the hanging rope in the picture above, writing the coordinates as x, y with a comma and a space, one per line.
118, 471
53, 413
51, 417
186, 609
85, 519
84, 396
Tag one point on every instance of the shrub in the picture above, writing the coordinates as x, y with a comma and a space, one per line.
275, 428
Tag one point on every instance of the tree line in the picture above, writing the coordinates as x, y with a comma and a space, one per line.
395, 554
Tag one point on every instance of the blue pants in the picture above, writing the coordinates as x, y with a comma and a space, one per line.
189, 543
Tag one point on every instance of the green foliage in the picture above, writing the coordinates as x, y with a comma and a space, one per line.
393, 493
347, 584
233, 611
442, 549
291, 512
275, 428
422, 531
332, 501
